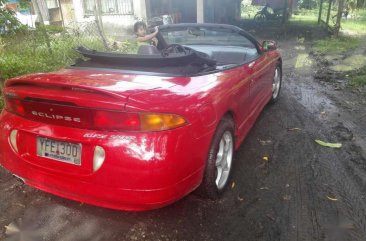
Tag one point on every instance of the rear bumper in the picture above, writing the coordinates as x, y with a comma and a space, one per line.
141, 172
114, 198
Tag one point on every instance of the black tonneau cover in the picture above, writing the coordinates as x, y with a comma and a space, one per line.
134, 60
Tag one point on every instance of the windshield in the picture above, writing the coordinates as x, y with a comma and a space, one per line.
205, 36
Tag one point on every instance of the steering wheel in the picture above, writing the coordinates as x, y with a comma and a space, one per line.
173, 48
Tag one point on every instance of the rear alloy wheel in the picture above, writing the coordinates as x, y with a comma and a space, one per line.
276, 84
219, 162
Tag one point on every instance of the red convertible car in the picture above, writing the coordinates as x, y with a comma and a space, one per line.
140, 131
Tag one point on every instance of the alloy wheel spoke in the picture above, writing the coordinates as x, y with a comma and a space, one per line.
223, 160
220, 154
219, 175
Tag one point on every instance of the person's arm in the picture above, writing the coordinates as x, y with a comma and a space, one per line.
149, 36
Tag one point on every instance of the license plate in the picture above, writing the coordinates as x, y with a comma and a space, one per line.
59, 150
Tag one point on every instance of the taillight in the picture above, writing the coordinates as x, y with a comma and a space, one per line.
14, 105
93, 119
115, 121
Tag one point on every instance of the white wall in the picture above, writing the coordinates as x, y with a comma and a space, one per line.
114, 24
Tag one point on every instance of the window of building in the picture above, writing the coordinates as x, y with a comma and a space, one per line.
52, 3
109, 7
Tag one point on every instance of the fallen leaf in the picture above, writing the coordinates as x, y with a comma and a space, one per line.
332, 198
294, 129
232, 185
20, 205
347, 226
264, 142
287, 197
240, 199
11, 229
270, 216
265, 158
327, 144
262, 166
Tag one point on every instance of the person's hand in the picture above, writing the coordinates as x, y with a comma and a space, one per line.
156, 29
155, 41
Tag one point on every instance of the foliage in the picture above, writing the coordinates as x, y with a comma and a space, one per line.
304, 17
356, 22
308, 4
25, 3
8, 21
358, 78
337, 45
27, 52
248, 10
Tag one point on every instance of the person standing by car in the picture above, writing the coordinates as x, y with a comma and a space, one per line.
142, 37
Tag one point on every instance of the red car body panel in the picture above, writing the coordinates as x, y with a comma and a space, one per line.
142, 170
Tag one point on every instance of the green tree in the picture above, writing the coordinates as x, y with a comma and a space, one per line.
8, 20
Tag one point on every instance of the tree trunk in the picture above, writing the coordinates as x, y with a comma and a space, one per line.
360, 3
339, 17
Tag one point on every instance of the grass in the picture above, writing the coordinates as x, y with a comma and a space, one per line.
303, 20
358, 81
25, 53
336, 45
358, 78
356, 21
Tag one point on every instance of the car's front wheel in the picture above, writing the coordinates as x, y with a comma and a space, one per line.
219, 161
276, 84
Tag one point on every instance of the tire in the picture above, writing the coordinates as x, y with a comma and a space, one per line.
260, 17
215, 181
276, 84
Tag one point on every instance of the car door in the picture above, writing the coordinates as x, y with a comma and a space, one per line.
261, 81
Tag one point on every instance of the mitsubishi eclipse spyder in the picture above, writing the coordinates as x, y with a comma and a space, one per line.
141, 131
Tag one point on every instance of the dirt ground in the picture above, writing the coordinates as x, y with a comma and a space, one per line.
303, 192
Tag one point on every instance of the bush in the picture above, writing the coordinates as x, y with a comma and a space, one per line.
31, 51
28, 52
8, 21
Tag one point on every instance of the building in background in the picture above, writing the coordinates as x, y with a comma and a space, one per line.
124, 13
24, 12
120, 15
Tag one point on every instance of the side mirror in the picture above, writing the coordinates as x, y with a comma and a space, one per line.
269, 45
